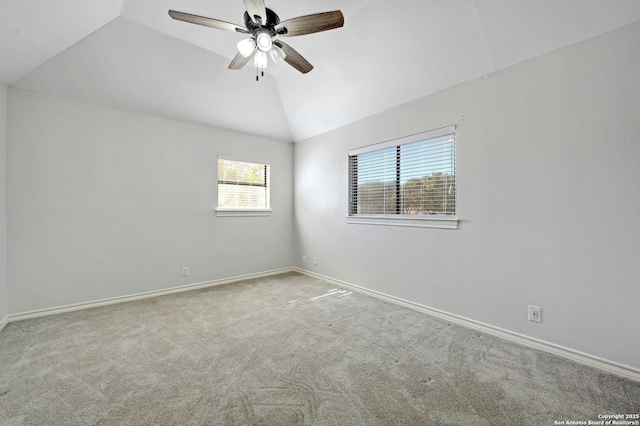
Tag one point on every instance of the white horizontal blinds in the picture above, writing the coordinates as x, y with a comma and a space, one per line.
413, 178
375, 182
428, 176
243, 185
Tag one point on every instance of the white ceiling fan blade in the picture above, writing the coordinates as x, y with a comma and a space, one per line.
256, 10
240, 61
207, 22
310, 24
293, 58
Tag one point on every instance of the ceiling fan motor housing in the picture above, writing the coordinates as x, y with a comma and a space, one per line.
262, 27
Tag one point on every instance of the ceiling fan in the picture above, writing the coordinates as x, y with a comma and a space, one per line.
264, 26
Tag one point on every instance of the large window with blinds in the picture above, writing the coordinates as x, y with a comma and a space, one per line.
243, 186
412, 178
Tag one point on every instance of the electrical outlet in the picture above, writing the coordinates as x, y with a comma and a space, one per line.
304, 259
535, 313
185, 271
315, 261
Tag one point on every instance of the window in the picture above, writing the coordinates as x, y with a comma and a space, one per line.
409, 181
243, 188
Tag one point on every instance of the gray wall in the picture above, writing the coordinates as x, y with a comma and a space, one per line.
106, 203
548, 166
4, 304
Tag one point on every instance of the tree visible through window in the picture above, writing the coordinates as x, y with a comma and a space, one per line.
408, 177
243, 185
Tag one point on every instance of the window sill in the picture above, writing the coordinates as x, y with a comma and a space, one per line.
442, 222
243, 212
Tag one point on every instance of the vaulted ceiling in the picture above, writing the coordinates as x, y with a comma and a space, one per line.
130, 54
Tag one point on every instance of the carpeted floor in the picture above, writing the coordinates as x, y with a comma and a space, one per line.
285, 350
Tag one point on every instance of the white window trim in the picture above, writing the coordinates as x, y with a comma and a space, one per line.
243, 212
442, 222
415, 221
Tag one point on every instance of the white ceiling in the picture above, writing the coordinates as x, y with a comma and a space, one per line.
130, 54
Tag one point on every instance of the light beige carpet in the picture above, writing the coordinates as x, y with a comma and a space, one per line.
285, 350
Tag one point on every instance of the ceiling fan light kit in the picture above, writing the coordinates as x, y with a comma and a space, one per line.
264, 26
246, 47
263, 41
277, 55
260, 60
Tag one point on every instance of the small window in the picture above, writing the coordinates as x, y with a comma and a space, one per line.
243, 187
409, 181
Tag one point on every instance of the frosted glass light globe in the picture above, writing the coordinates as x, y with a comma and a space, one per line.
264, 42
246, 47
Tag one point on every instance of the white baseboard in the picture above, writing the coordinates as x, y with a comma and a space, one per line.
577, 356
138, 296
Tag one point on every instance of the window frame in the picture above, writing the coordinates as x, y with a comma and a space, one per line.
243, 211
398, 219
